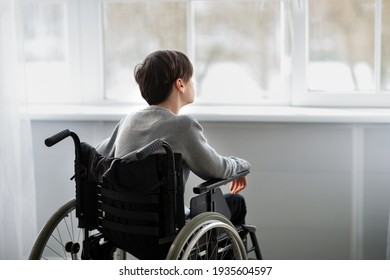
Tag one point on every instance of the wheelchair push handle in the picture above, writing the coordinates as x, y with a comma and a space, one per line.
51, 141
61, 136
149, 149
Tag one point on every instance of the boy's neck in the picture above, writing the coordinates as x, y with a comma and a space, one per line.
171, 106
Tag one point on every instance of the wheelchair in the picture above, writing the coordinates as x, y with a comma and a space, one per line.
135, 205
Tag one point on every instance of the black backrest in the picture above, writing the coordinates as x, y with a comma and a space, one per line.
131, 202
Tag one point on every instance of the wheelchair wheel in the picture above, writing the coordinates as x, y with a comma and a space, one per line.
60, 238
208, 236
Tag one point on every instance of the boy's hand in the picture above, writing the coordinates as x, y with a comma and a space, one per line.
238, 185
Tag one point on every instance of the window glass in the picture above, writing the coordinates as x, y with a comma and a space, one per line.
45, 51
341, 45
385, 45
237, 51
235, 46
131, 31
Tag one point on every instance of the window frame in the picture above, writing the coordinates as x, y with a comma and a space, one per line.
303, 96
87, 58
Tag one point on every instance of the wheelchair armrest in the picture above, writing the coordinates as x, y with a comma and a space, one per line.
214, 183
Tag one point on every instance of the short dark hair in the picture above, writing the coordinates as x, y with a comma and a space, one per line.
157, 73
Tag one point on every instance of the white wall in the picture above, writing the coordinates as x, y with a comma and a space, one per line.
317, 191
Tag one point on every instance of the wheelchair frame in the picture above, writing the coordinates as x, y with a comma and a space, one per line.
192, 240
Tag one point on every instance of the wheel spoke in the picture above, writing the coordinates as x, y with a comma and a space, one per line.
61, 228
59, 241
208, 236
55, 252
68, 229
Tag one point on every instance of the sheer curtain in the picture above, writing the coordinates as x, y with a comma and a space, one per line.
17, 189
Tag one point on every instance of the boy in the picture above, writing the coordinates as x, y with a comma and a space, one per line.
165, 82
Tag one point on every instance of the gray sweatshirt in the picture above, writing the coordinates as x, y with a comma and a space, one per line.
182, 132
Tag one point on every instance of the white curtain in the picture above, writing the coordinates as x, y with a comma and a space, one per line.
17, 188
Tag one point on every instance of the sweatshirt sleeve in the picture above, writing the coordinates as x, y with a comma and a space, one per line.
203, 159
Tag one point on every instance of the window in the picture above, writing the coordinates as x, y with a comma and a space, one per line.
49, 50
385, 49
245, 52
345, 57
237, 51
131, 31
235, 46
341, 48
45, 50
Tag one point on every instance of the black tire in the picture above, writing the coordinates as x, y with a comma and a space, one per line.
208, 236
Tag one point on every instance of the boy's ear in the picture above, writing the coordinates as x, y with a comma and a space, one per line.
180, 85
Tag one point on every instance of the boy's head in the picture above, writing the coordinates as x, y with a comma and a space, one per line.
157, 74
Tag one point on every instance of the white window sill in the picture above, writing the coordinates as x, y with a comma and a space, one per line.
217, 113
